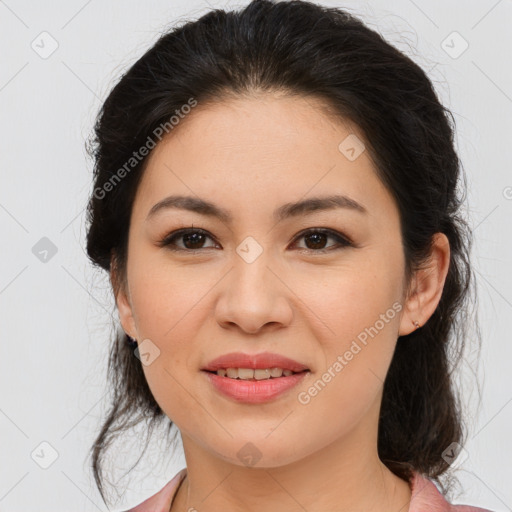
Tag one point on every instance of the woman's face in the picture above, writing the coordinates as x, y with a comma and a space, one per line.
256, 283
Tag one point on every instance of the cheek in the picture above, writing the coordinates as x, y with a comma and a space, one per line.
165, 297
169, 304
347, 302
356, 349
355, 319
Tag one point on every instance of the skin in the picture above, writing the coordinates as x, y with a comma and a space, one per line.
251, 155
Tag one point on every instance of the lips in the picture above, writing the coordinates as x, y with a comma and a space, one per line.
262, 360
254, 391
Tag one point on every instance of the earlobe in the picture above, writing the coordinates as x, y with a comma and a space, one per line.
122, 302
125, 313
427, 289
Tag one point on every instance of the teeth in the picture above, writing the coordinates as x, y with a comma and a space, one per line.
249, 373
260, 374
232, 373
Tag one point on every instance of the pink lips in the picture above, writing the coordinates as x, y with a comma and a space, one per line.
261, 360
254, 391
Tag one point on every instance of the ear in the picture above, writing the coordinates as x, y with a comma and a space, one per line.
427, 286
123, 301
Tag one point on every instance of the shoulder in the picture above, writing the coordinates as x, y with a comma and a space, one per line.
425, 497
161, 501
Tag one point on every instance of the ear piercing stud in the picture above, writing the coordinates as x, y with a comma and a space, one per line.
132, 342
416, 324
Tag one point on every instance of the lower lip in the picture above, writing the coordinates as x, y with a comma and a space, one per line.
254, 391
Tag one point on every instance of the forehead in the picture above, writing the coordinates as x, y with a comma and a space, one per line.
261, 151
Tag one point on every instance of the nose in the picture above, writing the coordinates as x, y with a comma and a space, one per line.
254, 297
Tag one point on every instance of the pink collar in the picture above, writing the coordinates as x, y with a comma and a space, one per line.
425, 497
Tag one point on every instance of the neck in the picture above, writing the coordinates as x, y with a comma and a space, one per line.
346, 476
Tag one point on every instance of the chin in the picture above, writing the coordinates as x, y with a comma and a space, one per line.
259, 453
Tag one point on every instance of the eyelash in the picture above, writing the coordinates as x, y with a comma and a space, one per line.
343, 241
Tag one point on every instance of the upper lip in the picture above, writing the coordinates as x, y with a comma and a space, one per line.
261, 360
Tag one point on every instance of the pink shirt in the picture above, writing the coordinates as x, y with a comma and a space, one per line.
425, 497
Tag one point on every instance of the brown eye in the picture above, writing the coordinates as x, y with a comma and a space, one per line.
316, 240
192, 239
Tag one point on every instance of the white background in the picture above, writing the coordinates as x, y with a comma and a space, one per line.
55, 317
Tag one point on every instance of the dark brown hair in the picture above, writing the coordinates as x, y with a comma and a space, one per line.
326, 53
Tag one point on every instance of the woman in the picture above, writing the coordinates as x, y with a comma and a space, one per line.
276, 203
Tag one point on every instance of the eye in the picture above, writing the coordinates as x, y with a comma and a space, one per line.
194, 238
317, 237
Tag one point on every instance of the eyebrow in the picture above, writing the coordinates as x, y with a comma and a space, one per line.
304, 207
